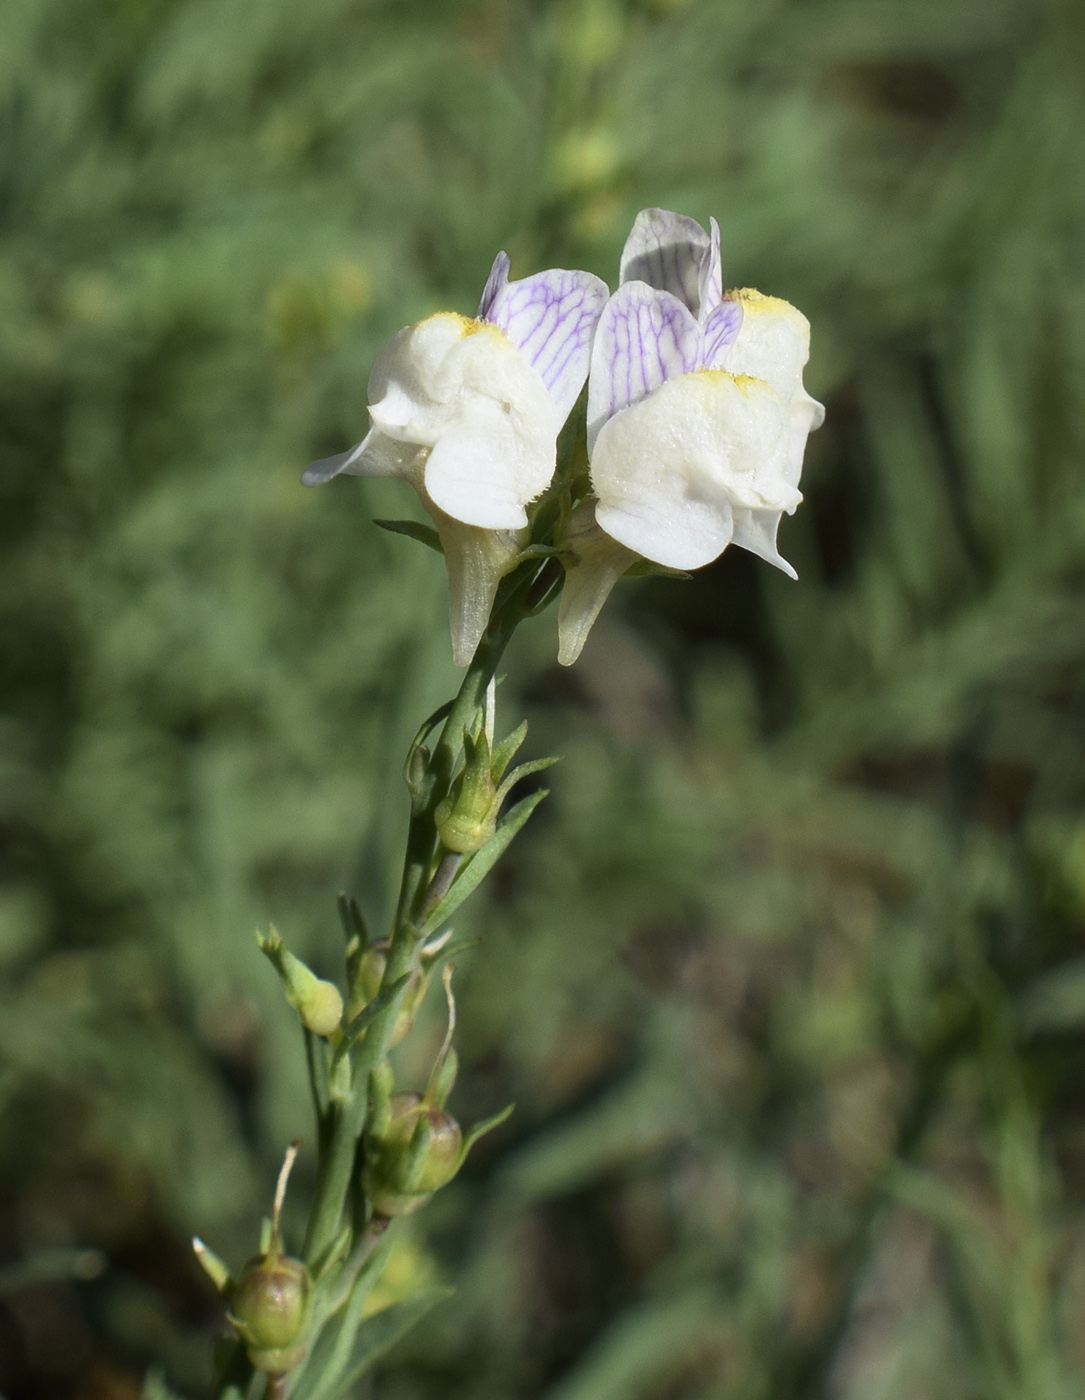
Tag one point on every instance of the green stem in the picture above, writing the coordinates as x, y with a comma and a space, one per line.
346, 1121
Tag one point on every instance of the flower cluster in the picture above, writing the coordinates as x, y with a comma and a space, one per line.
697, 421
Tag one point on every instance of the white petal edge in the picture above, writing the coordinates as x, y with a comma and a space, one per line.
773, 342
669, 471
755, 530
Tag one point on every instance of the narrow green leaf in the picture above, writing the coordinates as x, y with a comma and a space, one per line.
354, 1031
380, 1333
505, 751
481, 1129
474, 871
352, 919
524, 770
453, 950
316, 1061
542, 551
414, 530
440, 714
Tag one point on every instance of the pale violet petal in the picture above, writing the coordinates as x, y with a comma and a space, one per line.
721, 328
710, 282
755, 530
667, 251
644, 337
497, 280
551, 318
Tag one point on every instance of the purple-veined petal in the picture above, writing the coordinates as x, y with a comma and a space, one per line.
711, 276
667, 251
551, 318
721, 328
495, 283
644, 337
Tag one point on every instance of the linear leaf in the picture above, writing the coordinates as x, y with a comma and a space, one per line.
414, 530
381, 1332
475, 871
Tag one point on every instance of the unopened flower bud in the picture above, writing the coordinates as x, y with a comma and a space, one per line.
269, 1303
418, 1152
269, 1308
467, 818
317, 1002
367, 984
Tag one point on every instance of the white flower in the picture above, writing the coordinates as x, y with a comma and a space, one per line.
468, 411
697, 415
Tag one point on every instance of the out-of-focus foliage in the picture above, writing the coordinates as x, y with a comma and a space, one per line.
788, 978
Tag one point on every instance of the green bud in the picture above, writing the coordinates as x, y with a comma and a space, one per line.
269, 1303
317, 1002
467, 818
367, 983
269, 1308
418, 1152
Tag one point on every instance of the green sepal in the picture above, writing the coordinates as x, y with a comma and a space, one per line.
381, 1332
414, 780
540, 551
505, 752
414, 530
472, 1135
352, 919
413, 1158
474, 871
341, 1080
537, 765
453, 950
212, 1266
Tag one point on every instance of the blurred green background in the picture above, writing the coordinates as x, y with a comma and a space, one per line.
787, 978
